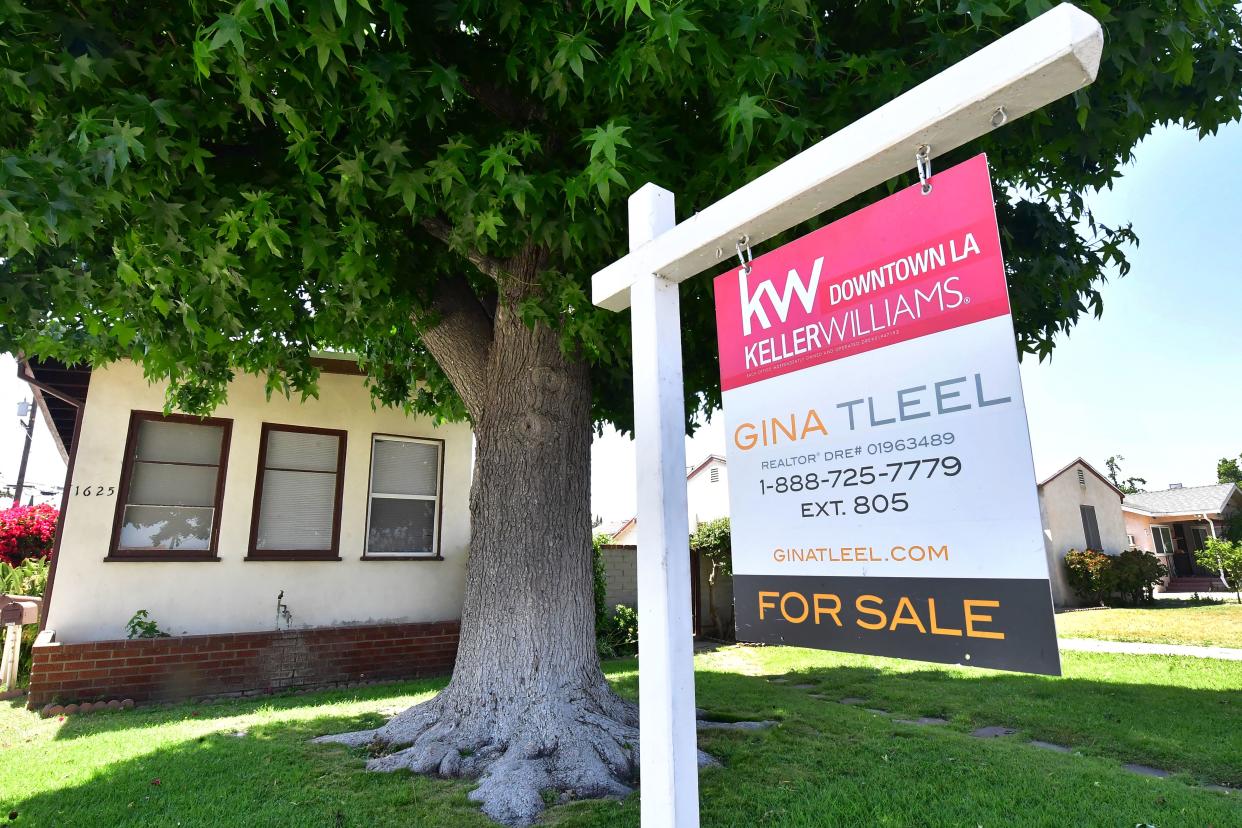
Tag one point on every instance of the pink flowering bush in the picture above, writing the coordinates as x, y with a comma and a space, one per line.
27, 532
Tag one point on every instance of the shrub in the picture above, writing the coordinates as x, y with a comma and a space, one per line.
1087, 573
599, 579
1127, 578
1134, 574
1225, 557
27, 532
142, 625
27, 578
620, 635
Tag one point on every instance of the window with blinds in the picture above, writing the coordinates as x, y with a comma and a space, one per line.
172, 483
403, 517
297, 512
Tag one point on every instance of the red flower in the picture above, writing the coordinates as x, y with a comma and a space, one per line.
27, 532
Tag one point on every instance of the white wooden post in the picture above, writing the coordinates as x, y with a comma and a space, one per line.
668, 749
12, 651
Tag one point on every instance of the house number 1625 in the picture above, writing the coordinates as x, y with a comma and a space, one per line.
94, 491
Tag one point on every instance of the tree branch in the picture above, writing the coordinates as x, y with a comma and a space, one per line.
487, 265
460, 341
503, 103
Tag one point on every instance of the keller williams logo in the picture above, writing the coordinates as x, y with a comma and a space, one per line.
752, 303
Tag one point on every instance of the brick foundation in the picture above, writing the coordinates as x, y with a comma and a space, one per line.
237, 663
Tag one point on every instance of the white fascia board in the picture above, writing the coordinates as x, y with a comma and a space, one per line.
1050, 57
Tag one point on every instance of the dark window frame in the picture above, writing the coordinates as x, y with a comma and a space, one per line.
118, 553
366, 529
253, 553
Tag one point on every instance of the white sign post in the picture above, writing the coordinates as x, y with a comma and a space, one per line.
1040, 62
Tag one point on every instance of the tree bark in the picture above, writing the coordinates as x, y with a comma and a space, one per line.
528, 710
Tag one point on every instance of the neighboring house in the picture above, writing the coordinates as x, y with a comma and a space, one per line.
281, 542
707, 498
1080, 509
707, 490
1175, 524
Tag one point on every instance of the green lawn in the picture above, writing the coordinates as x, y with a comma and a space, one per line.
1167, 622
250, 764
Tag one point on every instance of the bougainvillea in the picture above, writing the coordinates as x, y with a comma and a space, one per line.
27, 532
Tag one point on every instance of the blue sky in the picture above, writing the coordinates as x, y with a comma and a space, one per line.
1156, 379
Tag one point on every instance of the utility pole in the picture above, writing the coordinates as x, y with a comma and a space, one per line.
24, 408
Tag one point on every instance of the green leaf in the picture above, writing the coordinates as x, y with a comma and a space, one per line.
630, 5
605, 140
227, 30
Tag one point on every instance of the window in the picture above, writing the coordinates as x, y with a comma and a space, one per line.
1130, 541
297, 498
1091, 529
172, 484
403, 517
1163, 538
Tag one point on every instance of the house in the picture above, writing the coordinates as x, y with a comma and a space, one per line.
1080, 509
707, 498
281, 543
1176, 522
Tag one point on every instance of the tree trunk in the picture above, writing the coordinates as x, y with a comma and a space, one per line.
528, 710
711, 600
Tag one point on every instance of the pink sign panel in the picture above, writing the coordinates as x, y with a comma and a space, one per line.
891, 272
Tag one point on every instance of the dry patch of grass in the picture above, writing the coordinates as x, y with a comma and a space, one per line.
1168, 622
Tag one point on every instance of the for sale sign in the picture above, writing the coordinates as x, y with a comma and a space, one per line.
881, 489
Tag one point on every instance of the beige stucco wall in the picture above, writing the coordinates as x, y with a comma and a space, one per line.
1059, 502
93, 599
1140, 527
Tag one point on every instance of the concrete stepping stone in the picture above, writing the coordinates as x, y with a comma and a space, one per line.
1146, 770
778, 680
760, 725
1225, 789
877, 711
992, 732
853, 700
923, 720
1050, 746
803, 686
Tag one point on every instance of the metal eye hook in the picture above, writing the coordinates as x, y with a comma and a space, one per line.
999, 117
744, 254
922, 161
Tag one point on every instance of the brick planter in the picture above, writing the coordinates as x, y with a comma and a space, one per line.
237, 663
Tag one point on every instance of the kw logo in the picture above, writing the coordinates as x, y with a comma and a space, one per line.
752, 303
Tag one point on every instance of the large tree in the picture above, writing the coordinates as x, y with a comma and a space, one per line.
211, 187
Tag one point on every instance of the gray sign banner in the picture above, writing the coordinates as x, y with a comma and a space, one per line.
1004, 624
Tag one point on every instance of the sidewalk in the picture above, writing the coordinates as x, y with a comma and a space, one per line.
1141, 648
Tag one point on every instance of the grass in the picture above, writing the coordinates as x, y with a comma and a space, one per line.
1167, 622
249, 763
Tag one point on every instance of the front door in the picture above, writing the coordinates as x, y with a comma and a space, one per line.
1196, 537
